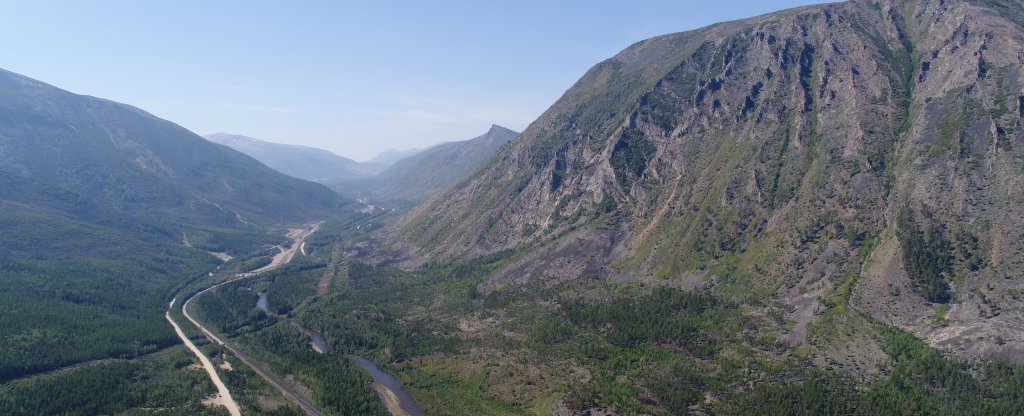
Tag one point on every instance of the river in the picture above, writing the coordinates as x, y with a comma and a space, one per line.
316, 340
261, 303
395, 398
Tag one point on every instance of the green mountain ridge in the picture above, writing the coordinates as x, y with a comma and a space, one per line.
121, 157
415, 178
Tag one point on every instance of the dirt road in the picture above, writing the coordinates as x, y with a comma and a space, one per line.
298, 237
223, 394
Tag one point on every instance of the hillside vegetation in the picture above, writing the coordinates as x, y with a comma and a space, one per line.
415, 178
105, 211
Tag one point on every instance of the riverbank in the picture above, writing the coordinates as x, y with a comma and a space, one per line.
392, 395
395, 398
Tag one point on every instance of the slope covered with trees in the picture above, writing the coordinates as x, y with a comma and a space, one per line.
120, 157
105, 211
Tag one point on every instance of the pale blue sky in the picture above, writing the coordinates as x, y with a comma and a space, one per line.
352, 77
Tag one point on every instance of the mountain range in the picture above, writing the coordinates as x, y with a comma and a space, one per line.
814, 211
408, 176
302, 162
417, 177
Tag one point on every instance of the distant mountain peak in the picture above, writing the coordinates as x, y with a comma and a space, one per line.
500, 131
231, 136
388, 157
304, 162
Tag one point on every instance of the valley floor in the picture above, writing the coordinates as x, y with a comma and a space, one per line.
285, 256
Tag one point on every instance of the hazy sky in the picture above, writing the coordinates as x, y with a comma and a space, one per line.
352, 77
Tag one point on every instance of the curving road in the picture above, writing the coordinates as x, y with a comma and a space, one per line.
223, 394
298, 238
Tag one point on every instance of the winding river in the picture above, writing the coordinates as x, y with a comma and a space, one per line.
395, 398
316, 340
392, 394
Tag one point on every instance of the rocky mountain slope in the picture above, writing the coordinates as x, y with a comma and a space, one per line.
302, 162
417, 177
836, 165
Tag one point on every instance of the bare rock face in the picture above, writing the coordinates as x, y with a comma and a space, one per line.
866, 153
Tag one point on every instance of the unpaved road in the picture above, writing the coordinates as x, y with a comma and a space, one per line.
224, 395
298, 238
266, 374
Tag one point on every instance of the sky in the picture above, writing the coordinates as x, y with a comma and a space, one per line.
352, 77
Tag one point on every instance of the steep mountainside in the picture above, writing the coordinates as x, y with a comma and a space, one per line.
120, 157
860, 156
417, 177
302, 162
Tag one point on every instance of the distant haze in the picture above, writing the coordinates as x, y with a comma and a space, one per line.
353, 78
